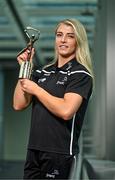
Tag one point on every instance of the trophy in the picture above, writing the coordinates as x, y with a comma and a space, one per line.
27, 66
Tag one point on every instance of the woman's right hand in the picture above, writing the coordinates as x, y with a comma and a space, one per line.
24, 56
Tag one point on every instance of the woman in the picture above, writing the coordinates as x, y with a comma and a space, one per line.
59, 94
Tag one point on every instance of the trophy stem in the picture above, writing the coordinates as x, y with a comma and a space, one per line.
25, 70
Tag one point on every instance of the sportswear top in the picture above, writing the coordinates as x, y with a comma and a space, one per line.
49, 132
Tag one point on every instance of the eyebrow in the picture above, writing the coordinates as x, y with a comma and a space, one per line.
67, 33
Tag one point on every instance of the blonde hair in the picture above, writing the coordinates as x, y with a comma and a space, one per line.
82, 51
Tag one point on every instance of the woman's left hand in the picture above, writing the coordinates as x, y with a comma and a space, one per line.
29, 86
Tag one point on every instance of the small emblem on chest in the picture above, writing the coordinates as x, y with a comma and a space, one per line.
41, 80
62, 82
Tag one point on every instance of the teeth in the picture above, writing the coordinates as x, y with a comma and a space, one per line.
63, 46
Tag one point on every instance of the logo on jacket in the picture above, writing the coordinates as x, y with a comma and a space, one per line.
41, 80
62, 82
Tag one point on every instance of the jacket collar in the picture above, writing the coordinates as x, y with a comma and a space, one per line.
67, 66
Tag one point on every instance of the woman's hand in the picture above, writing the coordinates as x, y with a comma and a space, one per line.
24, 56
29, 86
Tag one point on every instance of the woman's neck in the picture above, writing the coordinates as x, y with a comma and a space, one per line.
64, 60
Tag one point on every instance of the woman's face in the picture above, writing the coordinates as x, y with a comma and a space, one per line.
65, 41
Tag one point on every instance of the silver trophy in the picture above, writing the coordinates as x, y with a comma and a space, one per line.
27, 66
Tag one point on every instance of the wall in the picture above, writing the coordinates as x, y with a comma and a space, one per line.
16, 124
1, 112
103, 112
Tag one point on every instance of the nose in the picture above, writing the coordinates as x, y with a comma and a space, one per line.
63, 39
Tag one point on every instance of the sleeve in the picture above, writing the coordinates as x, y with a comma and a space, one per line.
80, 83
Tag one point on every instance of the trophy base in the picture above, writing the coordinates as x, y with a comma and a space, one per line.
25, 70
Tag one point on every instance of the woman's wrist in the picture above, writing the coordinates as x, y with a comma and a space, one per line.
38, 91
